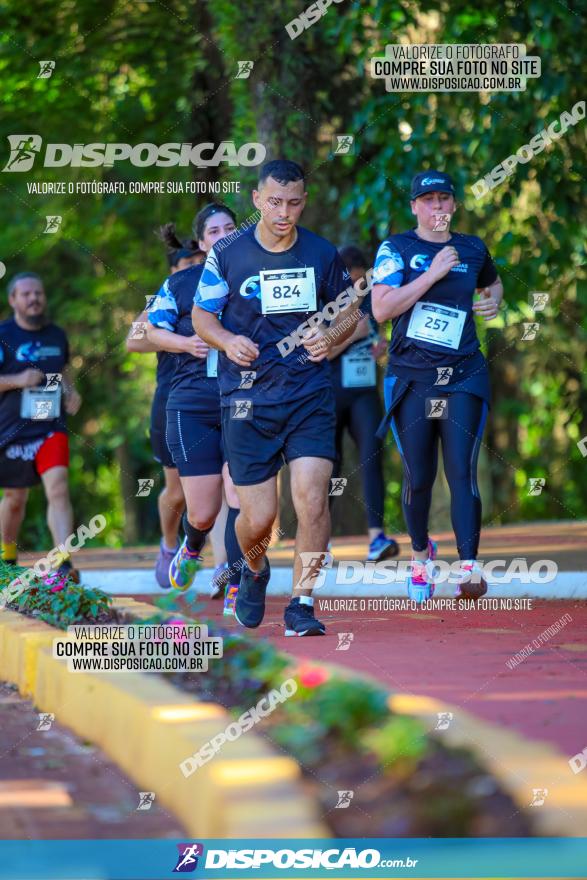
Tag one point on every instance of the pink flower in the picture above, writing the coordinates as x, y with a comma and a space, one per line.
58, 586
312, 676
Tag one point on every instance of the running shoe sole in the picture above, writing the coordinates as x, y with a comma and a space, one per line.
315, 631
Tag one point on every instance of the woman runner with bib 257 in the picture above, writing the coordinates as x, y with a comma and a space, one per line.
437, 381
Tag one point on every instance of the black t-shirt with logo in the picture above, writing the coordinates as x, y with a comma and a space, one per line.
46, 350
232, 283
404, 257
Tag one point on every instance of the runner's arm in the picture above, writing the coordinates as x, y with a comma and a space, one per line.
174, 343
361, 331
26, 379
140, 344
71, 395
210, 298
491, 297
390, 297
240, 349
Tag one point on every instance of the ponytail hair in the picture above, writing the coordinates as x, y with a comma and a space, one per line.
177, 249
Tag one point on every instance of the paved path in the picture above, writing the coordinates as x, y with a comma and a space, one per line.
54, 787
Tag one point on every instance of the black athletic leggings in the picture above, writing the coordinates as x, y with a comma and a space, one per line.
360, 412
417, 439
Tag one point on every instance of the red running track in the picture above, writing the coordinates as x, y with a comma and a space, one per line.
460, 658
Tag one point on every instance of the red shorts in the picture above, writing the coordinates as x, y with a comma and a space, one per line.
53, 452
22, 464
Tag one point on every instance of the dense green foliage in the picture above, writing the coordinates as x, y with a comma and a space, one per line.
151, 72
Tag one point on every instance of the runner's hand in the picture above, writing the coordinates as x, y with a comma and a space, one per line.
31, 377
316, 343
241, 350
443, 262
196, 346
72, 402
488, 306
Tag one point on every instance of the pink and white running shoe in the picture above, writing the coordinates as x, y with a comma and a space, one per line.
420, 583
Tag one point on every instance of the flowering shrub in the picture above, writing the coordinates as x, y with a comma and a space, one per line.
56, 599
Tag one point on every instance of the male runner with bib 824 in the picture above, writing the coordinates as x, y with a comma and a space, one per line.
277, 401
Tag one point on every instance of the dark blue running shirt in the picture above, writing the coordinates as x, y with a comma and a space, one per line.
165, 369
231, 285
401, 259
191, 389
45, 349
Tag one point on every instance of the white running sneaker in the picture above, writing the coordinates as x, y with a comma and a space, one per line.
470, 581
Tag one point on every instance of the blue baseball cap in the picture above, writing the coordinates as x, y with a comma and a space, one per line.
431, 181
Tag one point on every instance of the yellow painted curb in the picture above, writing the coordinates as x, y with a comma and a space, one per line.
519, 764
148, 727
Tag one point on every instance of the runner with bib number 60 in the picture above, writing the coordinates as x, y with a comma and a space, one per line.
437, 382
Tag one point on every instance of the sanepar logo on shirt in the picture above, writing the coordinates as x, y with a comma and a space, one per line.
24, 149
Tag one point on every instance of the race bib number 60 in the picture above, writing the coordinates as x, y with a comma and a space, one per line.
288, 290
